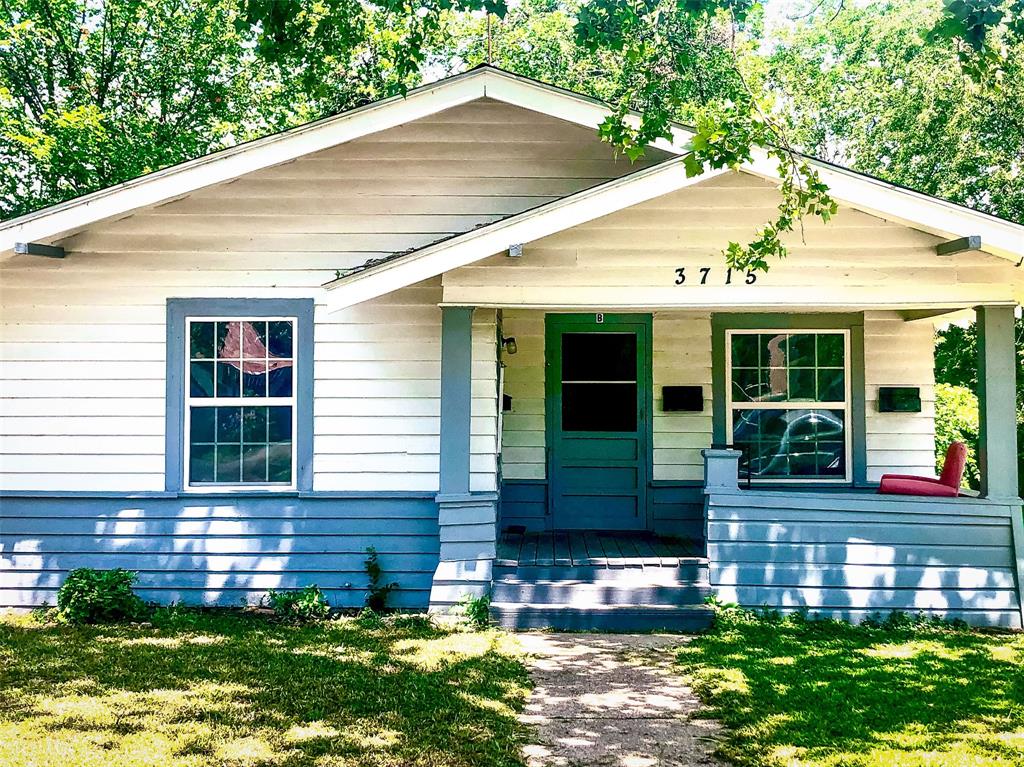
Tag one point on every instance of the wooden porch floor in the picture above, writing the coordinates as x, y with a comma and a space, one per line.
586, 548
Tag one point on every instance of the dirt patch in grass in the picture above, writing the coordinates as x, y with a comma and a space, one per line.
234, 689
825, 694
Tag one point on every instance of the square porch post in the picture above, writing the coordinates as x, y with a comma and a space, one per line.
997, 402
467, 521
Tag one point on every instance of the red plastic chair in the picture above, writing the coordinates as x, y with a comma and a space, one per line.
946, 486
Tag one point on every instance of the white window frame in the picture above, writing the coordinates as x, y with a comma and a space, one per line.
846, 406
292, 401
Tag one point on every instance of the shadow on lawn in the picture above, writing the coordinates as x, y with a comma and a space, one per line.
242, 690
832, 694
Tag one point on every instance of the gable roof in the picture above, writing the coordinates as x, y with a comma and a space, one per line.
889, 201
63, 218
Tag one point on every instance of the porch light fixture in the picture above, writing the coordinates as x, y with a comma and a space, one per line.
509, 345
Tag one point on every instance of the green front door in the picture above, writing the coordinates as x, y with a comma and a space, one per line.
598, 393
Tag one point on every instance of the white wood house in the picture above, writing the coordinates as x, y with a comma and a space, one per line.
458, 328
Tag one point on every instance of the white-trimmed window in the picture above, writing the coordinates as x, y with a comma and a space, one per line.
240, 402
788, 403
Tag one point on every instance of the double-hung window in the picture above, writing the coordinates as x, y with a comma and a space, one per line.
788, 403
240, 402
239, 394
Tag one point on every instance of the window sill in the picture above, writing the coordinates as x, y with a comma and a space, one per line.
228, 492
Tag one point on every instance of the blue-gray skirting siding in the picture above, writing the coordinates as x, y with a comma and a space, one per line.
219, 550
848, 555
677, 508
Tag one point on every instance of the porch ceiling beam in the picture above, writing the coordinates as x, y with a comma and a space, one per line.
968, 244
920, 315
38, 249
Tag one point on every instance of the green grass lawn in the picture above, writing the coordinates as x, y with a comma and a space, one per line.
801, 693
233, 689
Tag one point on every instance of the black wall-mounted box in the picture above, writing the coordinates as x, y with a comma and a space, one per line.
899, 399
682, 399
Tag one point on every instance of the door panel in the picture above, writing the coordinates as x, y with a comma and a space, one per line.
597, 384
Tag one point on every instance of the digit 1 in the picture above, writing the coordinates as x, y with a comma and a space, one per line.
728, 277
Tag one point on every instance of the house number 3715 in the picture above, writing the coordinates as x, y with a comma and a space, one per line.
681, 277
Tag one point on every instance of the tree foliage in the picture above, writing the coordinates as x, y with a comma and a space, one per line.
956, 420
871, 89
93, 92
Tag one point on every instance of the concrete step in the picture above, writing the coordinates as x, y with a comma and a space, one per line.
587, 593
688, 571
614, 618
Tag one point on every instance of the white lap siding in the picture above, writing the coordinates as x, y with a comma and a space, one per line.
682, 357
522, 427
82, 340
898, 353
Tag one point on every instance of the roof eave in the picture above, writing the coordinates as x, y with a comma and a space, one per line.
923, 212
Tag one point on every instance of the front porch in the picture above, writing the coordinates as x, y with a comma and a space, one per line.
612, 511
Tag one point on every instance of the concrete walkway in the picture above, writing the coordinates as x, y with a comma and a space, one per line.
606, 700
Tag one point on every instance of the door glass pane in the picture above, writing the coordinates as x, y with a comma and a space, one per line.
599, 357
599, 389
599, 407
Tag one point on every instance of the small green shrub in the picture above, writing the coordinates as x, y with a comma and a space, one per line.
715, 602
369, 618
897, 620
477, 610
377, 591
99, 596
305, 604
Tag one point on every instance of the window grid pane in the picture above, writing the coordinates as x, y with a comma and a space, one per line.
231, 361
780, 368
775, 382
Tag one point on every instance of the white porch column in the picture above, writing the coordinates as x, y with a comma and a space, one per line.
997, 401
468, 521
